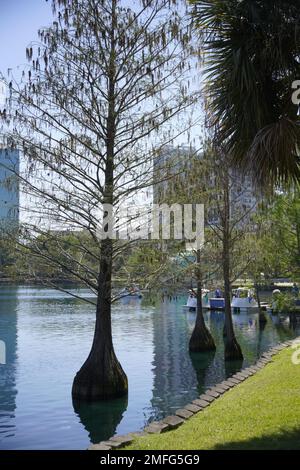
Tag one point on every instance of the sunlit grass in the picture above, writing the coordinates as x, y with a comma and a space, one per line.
261, 413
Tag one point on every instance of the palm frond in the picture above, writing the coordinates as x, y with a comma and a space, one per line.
274, 153
252, 51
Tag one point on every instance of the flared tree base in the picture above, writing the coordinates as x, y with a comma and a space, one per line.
233, 350
100, 378
262, 318
201, 340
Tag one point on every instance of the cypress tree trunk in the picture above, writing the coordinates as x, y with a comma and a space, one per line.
101, 376
232, 348
261, 315
201, 339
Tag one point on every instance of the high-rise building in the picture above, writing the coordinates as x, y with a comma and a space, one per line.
9, 187
179, 161
169, 166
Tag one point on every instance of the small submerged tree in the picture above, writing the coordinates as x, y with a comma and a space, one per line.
194, 170
232, 348
100, 99
201, 339
230, 221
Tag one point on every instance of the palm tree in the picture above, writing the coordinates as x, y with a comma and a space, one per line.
252, 57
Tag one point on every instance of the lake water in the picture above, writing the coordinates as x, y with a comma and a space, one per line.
48, 336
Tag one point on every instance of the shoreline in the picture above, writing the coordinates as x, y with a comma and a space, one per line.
184, 415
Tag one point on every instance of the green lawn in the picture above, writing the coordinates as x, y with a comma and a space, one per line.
261, 413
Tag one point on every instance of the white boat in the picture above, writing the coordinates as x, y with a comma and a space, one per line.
192, 299
243, 298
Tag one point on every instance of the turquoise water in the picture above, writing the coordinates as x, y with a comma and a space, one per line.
48, 336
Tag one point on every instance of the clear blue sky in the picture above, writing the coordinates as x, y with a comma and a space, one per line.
19, 23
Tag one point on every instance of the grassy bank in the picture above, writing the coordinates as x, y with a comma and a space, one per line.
261, 413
